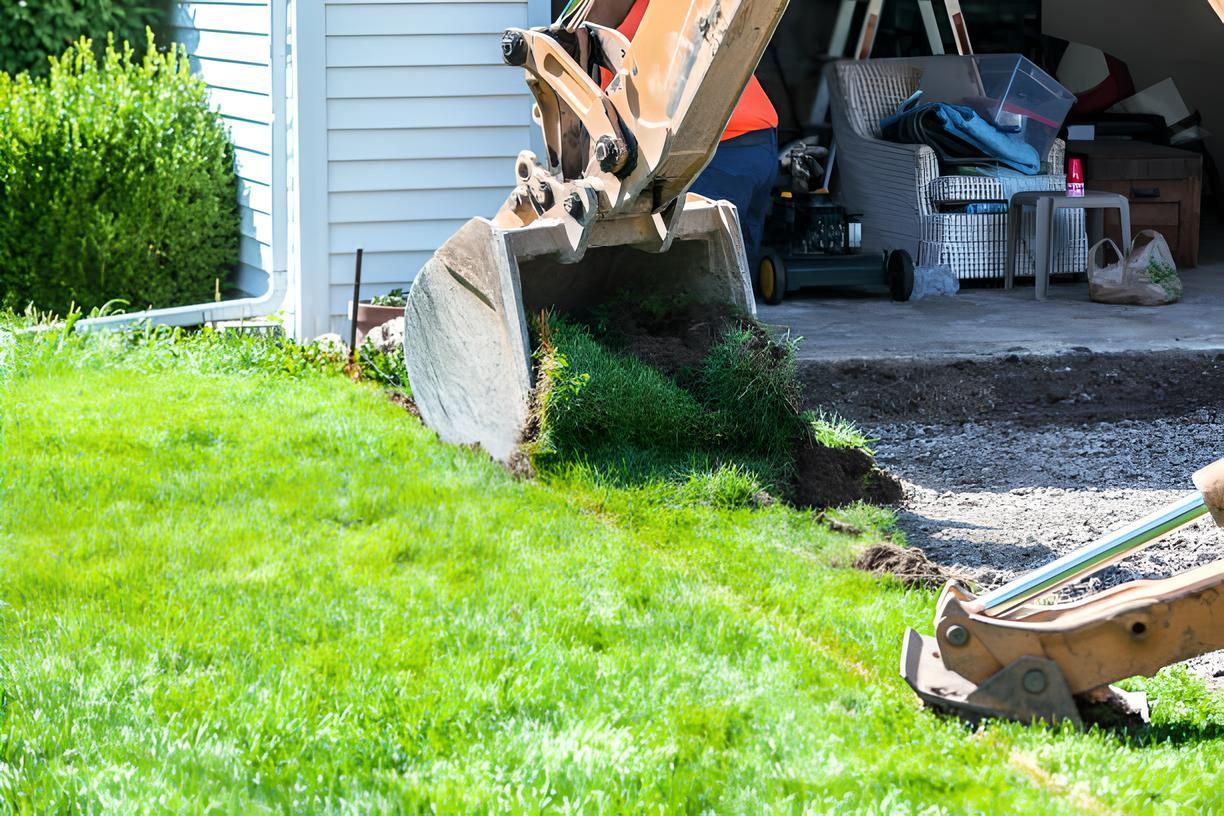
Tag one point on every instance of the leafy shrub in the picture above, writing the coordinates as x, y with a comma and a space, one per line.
32, 30
116, 181
388, 369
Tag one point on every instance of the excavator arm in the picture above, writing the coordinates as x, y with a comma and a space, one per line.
644, 139
1003, 655
604, 213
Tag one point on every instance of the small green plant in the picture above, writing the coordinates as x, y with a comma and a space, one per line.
834, 431
116, 181
396, 297
383, 368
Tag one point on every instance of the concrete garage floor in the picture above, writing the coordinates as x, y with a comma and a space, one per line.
984, 322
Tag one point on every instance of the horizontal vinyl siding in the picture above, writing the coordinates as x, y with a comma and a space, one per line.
423, 125
229, 44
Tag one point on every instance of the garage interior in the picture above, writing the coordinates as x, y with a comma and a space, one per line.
1159, 46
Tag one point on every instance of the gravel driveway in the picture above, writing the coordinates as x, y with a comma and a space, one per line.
1026, 482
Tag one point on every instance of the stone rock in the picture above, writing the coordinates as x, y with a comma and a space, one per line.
389, 337
331, 342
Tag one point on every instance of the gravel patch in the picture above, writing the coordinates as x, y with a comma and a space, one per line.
995, 499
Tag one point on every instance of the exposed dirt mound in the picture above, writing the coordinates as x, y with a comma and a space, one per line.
829, 477
404, 402
909, 566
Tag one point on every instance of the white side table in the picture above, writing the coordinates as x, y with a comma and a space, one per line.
1047, 203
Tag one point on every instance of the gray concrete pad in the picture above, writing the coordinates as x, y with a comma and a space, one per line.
992, 322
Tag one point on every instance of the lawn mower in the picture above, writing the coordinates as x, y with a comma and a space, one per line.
812, 242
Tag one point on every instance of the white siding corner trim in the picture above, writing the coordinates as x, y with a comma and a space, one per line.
373, 124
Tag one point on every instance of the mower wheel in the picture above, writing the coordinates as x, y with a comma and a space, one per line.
771, 278
899, 271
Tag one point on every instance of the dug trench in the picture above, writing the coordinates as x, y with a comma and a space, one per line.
1010, 462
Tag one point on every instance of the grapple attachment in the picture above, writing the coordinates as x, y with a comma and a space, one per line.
604, 215
1002, 655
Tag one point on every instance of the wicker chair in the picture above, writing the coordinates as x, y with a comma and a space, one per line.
904, 201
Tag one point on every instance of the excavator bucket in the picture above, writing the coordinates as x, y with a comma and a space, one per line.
606, 215
468, 352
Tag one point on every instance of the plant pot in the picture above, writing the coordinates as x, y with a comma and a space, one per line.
370, 317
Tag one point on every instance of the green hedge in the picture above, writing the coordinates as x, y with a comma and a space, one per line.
116, 181
32, 30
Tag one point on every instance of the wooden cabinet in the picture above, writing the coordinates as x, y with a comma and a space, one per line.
1163, 185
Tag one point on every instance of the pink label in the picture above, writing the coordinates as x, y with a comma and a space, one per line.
1075, 190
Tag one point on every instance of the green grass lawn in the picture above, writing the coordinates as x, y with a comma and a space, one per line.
232, 584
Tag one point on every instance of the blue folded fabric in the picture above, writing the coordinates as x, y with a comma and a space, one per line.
959, 135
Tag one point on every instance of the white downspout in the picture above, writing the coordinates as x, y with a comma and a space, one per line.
269, 302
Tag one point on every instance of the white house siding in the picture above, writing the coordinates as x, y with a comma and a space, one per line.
230, 46
423, 124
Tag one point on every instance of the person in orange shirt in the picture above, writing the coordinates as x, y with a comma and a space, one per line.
745, 165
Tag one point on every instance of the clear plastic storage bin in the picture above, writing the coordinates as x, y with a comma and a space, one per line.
1005, 89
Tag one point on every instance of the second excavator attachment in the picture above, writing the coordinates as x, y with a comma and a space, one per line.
1004, 655
604, 213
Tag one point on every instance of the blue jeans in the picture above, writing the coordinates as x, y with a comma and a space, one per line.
743, 172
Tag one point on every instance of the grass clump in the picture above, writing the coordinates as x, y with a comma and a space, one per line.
634, 424
728, 485
590, 394
835, 431
749, 386
726, 433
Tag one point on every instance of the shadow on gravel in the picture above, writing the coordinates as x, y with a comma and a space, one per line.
978, 555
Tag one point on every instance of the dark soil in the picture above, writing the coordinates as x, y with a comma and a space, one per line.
676, 342
831, 477
910, 566
1073, 388
404, 402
